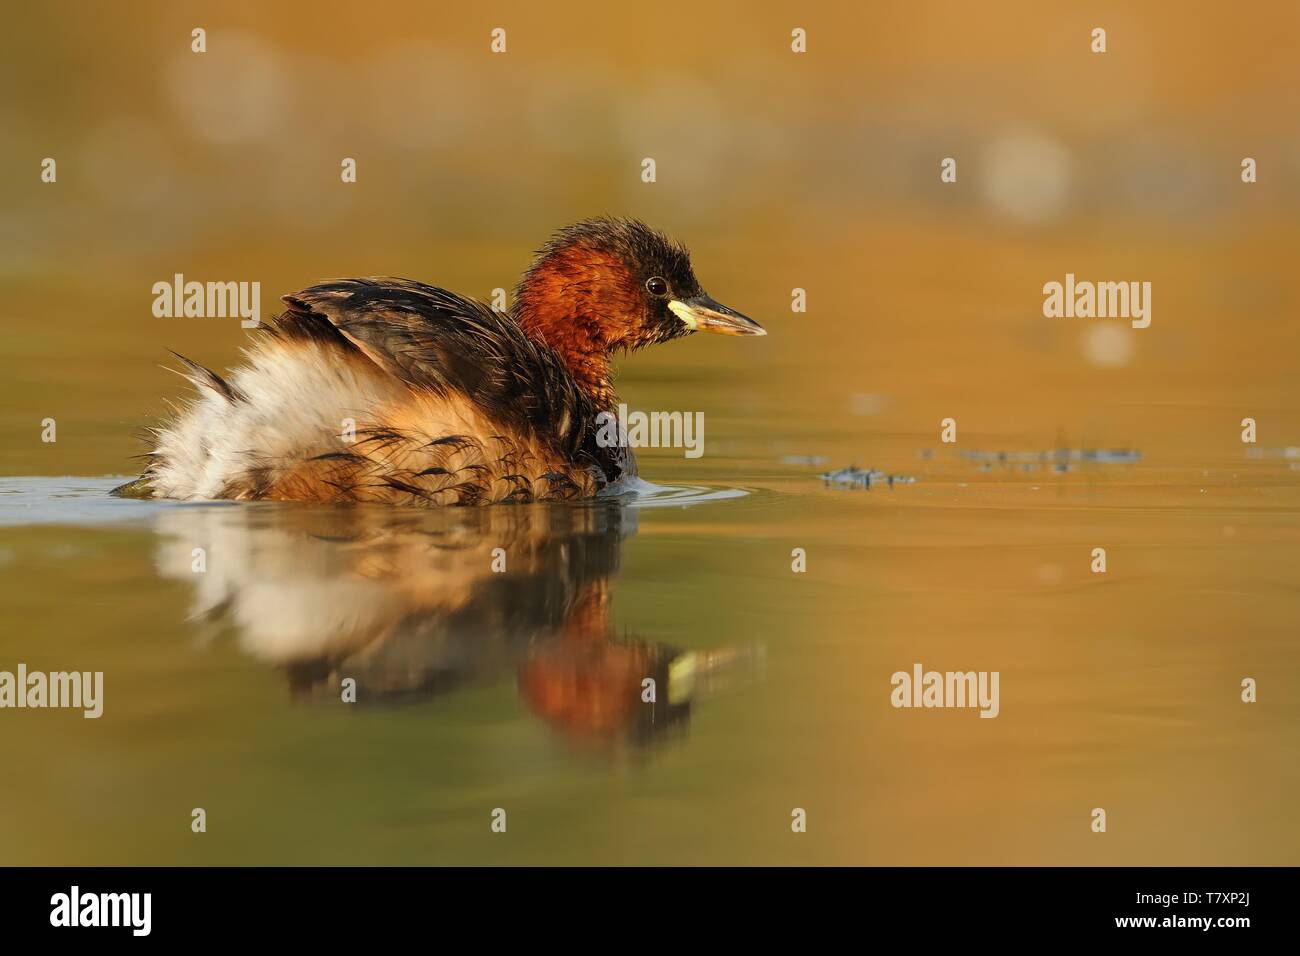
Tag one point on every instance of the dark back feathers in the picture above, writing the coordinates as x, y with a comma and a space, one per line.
433, 339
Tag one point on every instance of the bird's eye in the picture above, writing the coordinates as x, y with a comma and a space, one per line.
656, 286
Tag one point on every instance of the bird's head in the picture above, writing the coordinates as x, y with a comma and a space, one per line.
607, 284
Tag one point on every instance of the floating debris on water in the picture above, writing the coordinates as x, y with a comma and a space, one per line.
855, 477
1105, 456
804, 460
1061, 460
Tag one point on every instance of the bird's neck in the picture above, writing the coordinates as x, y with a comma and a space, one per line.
583, 353
570, 303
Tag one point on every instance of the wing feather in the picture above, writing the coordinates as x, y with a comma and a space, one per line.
435, 340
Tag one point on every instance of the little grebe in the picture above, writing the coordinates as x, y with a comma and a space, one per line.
389, 390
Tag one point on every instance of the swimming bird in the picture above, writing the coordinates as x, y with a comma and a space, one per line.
389, 390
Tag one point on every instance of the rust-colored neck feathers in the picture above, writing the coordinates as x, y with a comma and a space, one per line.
582, 303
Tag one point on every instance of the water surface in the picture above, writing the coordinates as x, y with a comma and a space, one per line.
522, 690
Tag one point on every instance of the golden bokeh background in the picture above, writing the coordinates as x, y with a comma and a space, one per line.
818, 171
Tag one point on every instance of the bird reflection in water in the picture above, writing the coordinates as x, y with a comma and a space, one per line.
407, 604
